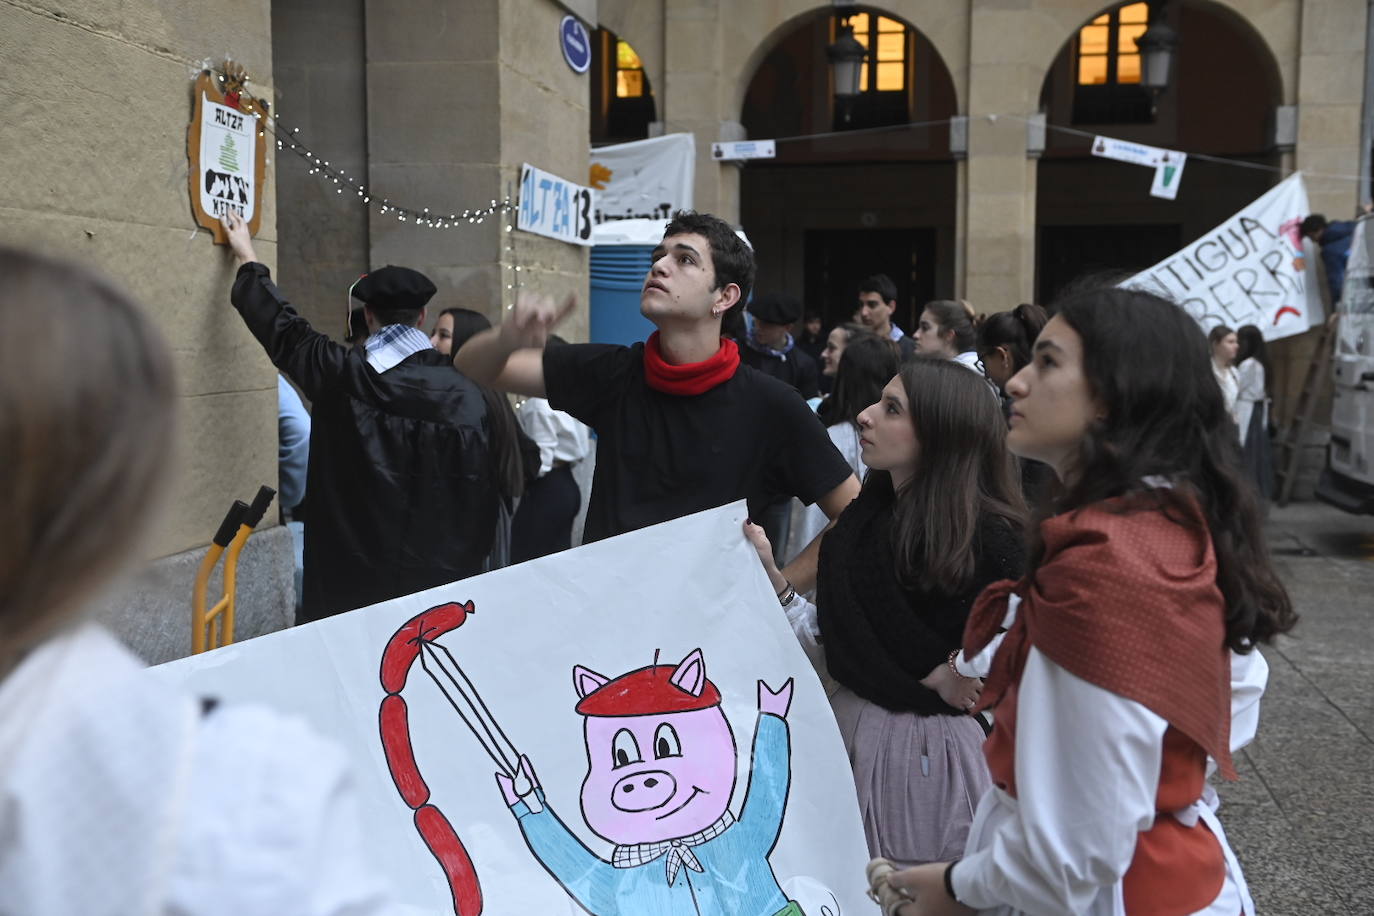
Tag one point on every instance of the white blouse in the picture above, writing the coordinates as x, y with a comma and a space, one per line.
119, 798
1064, 843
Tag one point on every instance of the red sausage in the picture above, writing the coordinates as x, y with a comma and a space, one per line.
404, 646
400, 756
453, 858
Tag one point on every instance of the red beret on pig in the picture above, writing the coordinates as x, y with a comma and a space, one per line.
649, 691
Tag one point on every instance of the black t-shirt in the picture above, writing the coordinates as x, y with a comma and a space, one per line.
661, 456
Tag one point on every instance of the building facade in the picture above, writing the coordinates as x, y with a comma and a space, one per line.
961, 169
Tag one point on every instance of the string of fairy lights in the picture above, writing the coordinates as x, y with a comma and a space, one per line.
288, 139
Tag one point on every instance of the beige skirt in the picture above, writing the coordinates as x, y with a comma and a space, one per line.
919, 778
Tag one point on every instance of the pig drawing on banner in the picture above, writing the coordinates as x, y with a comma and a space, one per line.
661, 770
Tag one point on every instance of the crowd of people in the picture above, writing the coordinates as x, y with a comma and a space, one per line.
1027, 565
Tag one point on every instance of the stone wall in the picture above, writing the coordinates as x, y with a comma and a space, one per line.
98, 100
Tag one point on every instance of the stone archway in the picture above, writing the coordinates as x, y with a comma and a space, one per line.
846, 198
1094, 214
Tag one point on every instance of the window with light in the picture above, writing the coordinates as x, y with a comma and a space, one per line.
1106, 68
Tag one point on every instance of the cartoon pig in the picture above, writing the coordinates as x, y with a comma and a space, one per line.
661, 764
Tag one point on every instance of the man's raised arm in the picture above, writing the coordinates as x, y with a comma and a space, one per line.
510, 357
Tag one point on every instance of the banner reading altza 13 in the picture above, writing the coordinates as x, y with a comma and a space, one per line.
1252, 269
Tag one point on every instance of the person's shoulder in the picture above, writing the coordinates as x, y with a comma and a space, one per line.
599, 359
1139, 535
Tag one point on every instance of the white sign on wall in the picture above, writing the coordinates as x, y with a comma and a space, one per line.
554, 207
545, 738
228, 160
644, 179
1252, 269
744, 149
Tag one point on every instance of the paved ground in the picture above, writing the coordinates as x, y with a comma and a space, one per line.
1302, 816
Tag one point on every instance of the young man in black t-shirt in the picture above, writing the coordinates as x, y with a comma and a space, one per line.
681, 425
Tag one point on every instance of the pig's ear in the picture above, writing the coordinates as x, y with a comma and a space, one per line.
690, 675
585, 680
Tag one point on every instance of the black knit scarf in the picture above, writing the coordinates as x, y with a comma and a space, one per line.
881, 638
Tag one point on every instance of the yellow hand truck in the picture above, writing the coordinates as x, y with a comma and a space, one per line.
214, 627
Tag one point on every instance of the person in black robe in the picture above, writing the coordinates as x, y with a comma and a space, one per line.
770, 347
400, 476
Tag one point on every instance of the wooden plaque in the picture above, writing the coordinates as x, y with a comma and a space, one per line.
226, 146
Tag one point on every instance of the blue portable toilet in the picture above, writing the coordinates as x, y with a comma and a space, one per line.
619, 263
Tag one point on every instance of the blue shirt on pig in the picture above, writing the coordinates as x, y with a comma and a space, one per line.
727, 874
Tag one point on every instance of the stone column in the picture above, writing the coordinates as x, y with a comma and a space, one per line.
459, 95
998, 212
693, 96
100, 97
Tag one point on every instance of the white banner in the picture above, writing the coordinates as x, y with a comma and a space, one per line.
551, 206
693, 736
646, 179
1252, 269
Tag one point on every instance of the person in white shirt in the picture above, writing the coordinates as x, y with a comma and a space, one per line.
1252, 408
867, 363
118, 795
1225, 345
543, 523
946, 331
1124, 665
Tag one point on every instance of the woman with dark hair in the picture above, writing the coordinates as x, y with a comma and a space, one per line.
947, 331
939, 517
1004, 347
1005, 340
119, 794
835, 342
515, 457
1253, 397
1128, 666
1225, 344
868, 363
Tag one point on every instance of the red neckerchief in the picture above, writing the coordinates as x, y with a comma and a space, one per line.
1127, 601
689, 378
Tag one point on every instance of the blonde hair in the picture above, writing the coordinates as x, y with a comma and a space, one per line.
87, 402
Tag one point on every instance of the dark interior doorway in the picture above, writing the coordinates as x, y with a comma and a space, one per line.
1070, 252
838, 259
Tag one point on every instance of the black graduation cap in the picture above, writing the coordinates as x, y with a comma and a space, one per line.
390, 288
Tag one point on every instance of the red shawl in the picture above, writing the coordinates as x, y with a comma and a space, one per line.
1126, 600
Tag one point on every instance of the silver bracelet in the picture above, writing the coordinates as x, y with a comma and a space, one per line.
787, 595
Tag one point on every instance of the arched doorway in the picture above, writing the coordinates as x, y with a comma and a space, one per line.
857, 192
1097, 215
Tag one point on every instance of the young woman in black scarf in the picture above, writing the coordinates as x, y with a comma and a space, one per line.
940, 516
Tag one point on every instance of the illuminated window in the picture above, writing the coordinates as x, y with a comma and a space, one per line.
886, 42
629, 72
1106, 47
1106, 69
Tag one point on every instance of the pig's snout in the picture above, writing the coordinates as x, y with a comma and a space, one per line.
644, 791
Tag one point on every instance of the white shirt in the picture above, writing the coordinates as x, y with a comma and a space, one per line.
845, 435
119, 798
558, 435
1230, 386
1249, 395
1087, 774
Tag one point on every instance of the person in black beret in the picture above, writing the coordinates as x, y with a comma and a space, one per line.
400, 475
768, 345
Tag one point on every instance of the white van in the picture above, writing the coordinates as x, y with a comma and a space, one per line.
1348, 480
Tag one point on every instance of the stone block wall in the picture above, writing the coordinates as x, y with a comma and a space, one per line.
99, 97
